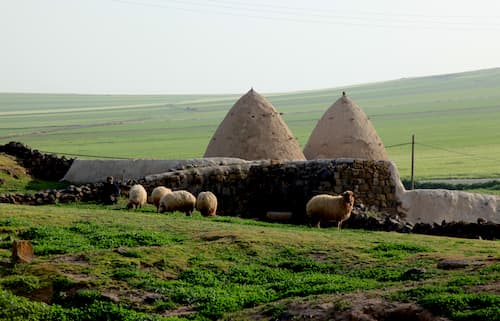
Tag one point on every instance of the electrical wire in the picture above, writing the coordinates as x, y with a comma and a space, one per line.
397, 145
313, 17
458, 153
83, 155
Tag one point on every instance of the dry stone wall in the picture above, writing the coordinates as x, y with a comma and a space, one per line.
40, 165
253, 189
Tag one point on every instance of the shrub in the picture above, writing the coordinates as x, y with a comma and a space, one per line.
464, 307
16, 308
21, 283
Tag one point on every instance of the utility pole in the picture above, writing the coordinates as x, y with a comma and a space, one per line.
412, 181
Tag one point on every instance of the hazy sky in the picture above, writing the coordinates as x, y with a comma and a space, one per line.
226, 46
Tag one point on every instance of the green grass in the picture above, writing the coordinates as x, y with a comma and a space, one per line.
14, 179
454, 117
98, 263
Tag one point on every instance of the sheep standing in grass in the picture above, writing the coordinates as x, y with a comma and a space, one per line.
206, 203
330, 208
156, 195
181, 201
137, 197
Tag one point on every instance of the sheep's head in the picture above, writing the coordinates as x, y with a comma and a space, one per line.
348, 197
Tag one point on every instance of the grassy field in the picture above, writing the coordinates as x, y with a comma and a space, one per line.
455, 119
101, 263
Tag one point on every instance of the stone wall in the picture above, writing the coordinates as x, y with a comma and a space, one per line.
251, 190
83, 193
39, 165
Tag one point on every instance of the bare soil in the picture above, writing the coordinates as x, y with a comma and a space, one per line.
351, 307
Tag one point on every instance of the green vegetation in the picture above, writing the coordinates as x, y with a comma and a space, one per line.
96, 263
14, 179
454, 117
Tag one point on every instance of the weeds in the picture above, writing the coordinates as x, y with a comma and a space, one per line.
397, 250
208, 268
84, 236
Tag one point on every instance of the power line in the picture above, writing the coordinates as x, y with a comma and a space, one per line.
389, 146
458, 153
302, 17
324, 14
83, 155
359, 12
397, 145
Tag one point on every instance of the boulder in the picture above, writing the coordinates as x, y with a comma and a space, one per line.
22, 251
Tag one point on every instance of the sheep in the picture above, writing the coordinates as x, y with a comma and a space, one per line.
137, 196
206, 203
181, 201
326, 207
157, 194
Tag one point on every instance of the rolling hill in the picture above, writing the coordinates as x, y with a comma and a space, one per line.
455, 118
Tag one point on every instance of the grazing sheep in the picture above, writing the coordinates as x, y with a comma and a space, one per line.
137, 196
181, 201
156, 195
206, 203
330, 208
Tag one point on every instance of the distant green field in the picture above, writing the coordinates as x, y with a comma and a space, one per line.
455, 118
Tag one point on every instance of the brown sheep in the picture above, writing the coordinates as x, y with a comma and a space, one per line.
206, 203
156, 195
324, 207
137, 197
182, 201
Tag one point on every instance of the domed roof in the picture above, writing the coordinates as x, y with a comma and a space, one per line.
345, 131
253, 129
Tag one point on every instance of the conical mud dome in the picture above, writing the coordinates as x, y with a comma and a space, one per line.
253, 130
345, 131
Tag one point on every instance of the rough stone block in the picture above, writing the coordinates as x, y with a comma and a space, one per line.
22, 252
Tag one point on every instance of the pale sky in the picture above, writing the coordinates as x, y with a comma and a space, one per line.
226, 46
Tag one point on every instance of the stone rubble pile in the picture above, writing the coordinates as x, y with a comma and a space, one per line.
39, 165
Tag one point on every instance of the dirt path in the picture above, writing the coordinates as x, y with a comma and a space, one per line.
71, 127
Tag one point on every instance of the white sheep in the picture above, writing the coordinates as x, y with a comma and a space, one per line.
326, 207
181, 201
206, 203
156, 195
137, 196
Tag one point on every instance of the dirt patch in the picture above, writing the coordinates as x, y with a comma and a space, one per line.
179, 312
9, 166
350, 307
218, 236
77, 259
493, 288
378, 309
119, 293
